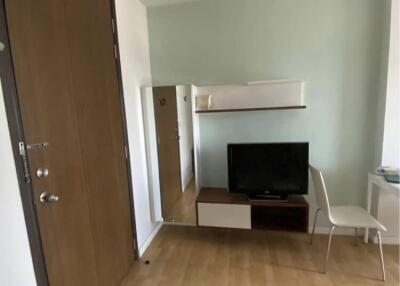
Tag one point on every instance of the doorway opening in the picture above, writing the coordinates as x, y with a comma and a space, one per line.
171, 110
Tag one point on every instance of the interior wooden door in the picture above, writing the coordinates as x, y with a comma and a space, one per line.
166, 118
66, 74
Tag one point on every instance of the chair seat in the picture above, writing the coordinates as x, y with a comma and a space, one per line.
354, 216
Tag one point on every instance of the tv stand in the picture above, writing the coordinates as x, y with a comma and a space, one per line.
217, 207
268, 198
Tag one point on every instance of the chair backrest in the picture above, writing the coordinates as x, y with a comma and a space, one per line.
320, 191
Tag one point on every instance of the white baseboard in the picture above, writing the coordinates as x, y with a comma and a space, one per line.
178, 223
394, 240
386, 239
150, 238
186, 184
155, 231
338, 231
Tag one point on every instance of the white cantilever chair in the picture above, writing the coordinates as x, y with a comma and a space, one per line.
343, 216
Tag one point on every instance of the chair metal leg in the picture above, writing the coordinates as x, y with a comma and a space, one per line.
355, 236
381, 253
315, 222
329, 248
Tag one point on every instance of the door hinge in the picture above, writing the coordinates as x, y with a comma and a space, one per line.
126, 152
25, 164
113, 25
134, 243
115, 51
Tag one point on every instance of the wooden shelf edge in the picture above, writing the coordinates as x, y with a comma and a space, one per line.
222, 196
251, 109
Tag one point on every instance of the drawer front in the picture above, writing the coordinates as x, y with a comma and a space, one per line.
224, 215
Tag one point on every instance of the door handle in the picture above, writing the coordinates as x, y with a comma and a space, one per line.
47, 197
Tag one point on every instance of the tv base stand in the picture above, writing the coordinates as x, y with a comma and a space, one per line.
268, 198
218, 208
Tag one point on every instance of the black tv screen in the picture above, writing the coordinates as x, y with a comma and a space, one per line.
268, 168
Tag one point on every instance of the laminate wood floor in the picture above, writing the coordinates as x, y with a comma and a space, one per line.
192, 256
184, 209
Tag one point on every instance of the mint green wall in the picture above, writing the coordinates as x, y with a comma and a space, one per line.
334, 45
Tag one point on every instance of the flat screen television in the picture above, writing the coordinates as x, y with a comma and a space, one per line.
268, 170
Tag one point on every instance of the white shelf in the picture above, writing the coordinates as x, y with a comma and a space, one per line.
265, 95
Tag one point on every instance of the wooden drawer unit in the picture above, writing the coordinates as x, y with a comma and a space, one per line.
218, 208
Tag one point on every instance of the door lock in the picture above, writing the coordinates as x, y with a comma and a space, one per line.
42, 172
40, 145
47, 197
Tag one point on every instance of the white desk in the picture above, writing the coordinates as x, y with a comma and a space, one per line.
383, 186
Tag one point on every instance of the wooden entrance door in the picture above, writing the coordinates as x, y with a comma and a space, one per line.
166, 118
66, 75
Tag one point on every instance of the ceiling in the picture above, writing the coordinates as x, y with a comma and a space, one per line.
151, 3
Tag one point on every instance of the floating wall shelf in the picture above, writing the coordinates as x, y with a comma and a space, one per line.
250, 109
266, 95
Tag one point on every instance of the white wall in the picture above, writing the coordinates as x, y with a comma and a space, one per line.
391, 138
151, 152
196, 141
16, 267
185, 127
135, 63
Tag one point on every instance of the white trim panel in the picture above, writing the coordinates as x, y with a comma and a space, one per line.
224, 215
149, 239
